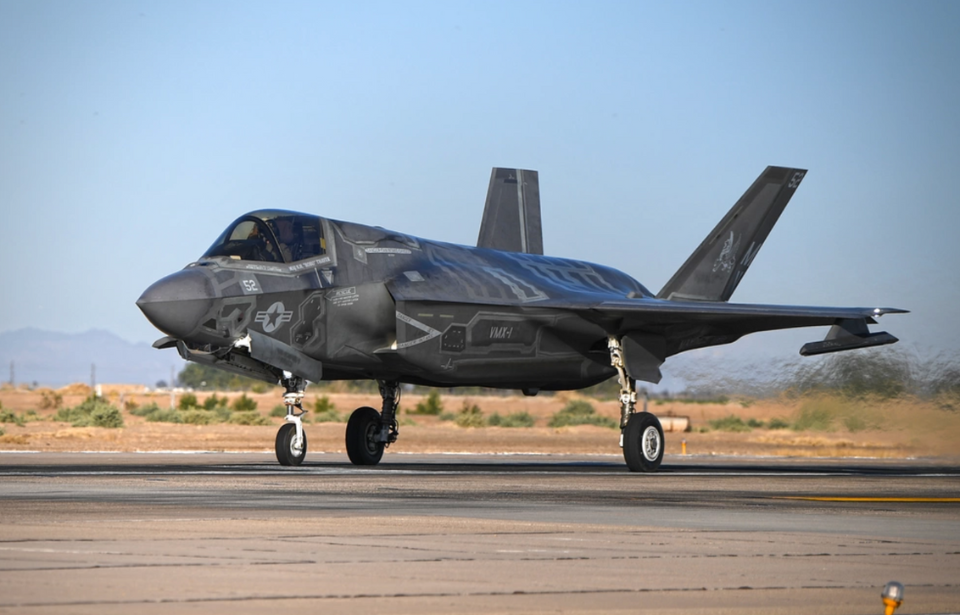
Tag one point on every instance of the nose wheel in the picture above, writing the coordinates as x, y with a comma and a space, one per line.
290, 449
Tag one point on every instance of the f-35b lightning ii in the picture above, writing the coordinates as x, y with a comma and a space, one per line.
293, 298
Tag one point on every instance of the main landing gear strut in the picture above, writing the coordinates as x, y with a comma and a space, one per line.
641, 435
369, 431
291, 439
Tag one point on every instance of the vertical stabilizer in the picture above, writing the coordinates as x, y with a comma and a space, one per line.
716, 267
511, 216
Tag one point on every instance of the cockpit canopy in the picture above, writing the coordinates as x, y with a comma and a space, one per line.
273, 236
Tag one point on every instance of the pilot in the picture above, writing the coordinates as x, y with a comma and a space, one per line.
287, 236
267, 252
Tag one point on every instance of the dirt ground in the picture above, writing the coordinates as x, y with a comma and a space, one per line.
909, 428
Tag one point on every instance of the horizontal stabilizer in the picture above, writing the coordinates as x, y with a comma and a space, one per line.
511, 216
848, 335
715, 269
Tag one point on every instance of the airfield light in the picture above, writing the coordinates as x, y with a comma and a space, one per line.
892, 596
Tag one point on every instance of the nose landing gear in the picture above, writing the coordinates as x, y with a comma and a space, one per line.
291, 443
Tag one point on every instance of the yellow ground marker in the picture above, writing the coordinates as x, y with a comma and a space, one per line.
854, 499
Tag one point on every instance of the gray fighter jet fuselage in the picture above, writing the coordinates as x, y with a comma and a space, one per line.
290, 297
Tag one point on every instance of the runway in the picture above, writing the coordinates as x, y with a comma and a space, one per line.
219, 532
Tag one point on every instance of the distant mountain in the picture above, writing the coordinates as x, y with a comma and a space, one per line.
57, 359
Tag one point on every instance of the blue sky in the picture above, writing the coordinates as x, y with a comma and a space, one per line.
132, 133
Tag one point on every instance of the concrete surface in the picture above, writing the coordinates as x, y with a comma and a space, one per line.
235, 533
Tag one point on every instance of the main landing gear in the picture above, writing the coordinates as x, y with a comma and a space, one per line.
291, 439
369, 431
641, 435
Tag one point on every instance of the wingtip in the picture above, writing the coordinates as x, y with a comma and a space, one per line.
887, 310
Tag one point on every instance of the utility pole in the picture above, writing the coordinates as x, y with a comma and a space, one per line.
13, 382
93, 378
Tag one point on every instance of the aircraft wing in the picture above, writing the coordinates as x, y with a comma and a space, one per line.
742, 317
653, 329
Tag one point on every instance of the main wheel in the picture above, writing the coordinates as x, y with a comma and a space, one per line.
288, 453
643, 442
362, 431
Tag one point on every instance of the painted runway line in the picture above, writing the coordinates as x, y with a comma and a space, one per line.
868, 499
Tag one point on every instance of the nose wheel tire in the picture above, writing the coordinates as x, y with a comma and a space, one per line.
643, 442
363, 432
288, 451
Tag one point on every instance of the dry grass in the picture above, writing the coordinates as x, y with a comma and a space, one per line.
829, 426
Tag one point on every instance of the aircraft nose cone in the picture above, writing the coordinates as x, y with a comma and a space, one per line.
177, 303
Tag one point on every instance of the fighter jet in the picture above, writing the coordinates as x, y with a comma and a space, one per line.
293, 298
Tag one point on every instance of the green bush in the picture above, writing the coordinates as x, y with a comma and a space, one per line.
164, 416
755, 424
517, 419
106, 416
213, 402
328, 417
815, 415
580, 412
145, 409
448, 416
50, 399
470, 415
431, 406
323, 404
221, 414
93, 412
325, 412
7, 416
279, 411
155, 414
248, 417
730, 423
188, 401
197, 417
2, 431
244, 404
778, 423
210, 378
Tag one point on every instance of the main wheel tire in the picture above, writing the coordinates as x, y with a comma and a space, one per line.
362, 429
643, 442
287, 452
